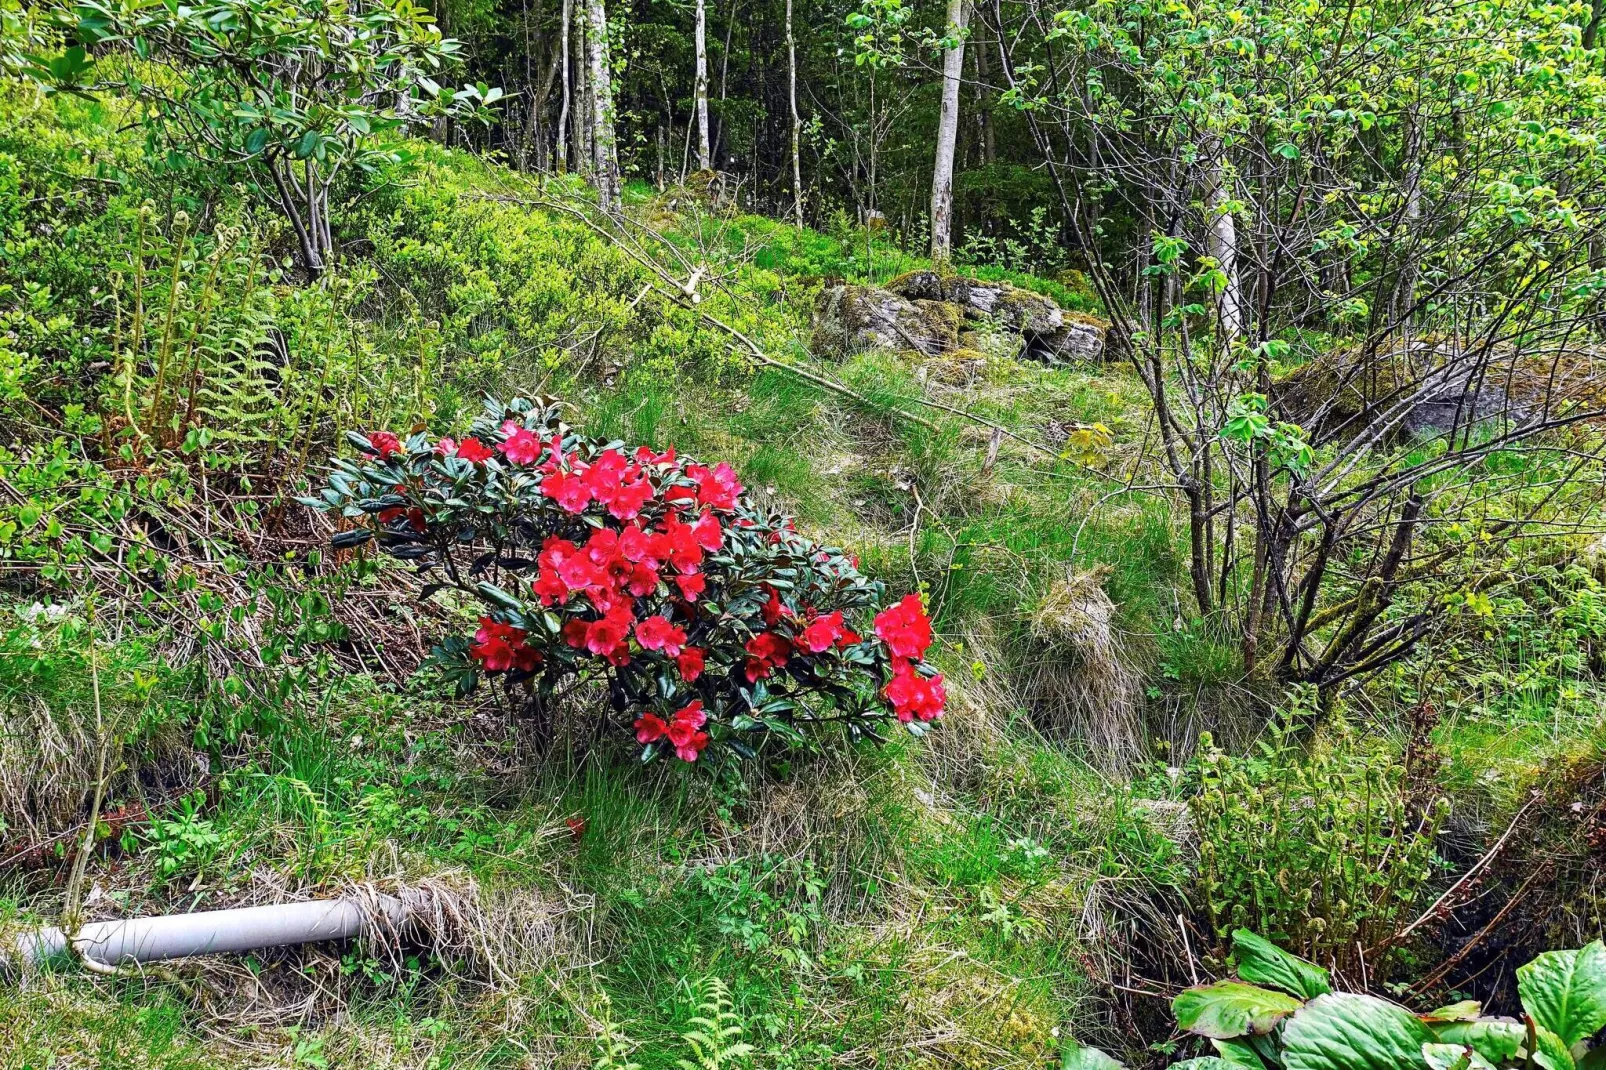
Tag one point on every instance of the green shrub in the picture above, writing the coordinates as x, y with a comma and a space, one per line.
645, 573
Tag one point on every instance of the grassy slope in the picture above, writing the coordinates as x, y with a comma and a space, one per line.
909, 906
919, 905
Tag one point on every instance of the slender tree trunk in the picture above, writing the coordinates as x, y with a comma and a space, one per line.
984, 111
797, 122
562, 153
584, 112
704, 151
942, 175
605, 156
1222, 244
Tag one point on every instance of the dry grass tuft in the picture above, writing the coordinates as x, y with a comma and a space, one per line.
1081, 682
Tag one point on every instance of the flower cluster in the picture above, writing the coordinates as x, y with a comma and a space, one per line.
651, 574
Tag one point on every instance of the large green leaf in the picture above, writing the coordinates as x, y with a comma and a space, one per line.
1454, 1057
1076, 1057
1340, 1031
1238, 1054
1467, 1010
1230, 1009
1264, 963
1493, 1038
1550, 1052
1565, 991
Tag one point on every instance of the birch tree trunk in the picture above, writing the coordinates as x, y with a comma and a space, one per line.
797, 123
704, 152
604, 150
561, 155
942, 175
1221, 241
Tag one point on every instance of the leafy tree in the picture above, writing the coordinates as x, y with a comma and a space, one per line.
291, 93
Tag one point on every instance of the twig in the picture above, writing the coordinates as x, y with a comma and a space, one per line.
1489, 856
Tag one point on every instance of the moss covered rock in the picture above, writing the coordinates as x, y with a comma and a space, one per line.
935, 312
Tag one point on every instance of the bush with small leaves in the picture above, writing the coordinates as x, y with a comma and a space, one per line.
706, 618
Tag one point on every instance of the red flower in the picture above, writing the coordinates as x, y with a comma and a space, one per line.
520, 446
707, 532
643, 547
384, 443
774, 609
690, 663
574, 633
825, 632
656, 633
645, 455
626, 500
550, 588
446, 446
500, 647
683, 549
650, 726
643, 580
915, 696
691, 585
904, 628
683, 732
717, 488
568, 490
766, 652
473, 450
578, 572
610, 637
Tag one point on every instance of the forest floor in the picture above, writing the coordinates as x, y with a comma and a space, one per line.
957, 900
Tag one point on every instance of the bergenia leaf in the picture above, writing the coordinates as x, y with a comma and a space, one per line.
1343, 1031
1263, 963
1565, 991
1230, 1009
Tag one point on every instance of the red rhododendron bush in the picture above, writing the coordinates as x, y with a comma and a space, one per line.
707, 620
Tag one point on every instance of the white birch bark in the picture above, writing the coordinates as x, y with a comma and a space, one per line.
562, 153
797, 122
1221, 241
605, 156
942, 175
704, 151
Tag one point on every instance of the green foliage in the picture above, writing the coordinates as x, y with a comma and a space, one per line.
1563, 993
1319, 844
716, 1041
1262, 962
274, 82
1230, 1009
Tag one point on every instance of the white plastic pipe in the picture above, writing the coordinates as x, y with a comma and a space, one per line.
135, 940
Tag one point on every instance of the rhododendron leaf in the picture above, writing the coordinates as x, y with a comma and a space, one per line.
430, 590
492, 593
344, 540
1550, 1052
